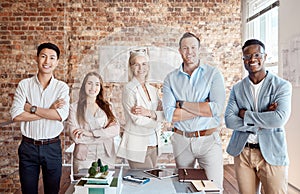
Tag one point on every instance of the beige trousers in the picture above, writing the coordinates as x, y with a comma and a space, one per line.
150, 160
252, 170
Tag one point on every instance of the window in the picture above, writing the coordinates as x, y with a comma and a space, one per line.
262, 24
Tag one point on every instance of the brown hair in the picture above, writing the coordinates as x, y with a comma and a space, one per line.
102, 103
188, 35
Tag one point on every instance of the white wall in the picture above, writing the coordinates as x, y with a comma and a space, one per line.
289, 27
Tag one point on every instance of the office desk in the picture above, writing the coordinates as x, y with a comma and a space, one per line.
157, 186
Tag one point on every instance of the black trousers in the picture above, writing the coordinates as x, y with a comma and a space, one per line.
33, 158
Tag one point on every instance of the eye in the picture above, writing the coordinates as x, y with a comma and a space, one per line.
246, 57
257, 55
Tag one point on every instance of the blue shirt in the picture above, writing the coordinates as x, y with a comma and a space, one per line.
205, 82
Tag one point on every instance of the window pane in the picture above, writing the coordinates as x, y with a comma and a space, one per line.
265, 28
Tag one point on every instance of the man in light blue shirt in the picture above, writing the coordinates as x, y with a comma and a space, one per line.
194, 99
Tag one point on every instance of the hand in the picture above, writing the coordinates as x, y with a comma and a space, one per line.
159, 106
139, 110
177, 104
27, 107
78, 133
242, 113
272, 106
58, 104
111, 124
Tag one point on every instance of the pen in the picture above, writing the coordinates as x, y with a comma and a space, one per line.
185, 172
202, 183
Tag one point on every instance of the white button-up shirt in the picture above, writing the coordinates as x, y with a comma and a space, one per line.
30, 90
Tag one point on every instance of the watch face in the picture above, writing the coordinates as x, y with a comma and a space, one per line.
33, 109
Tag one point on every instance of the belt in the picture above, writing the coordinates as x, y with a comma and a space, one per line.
252, 145
206, 132
40, 142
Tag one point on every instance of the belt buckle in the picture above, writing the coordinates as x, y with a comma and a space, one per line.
196, 134
39, 142
193, 134
35, 142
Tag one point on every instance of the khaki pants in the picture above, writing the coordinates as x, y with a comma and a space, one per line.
251, 170
150, 160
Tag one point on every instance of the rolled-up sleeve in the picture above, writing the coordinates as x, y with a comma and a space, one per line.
217, 95
168, 101
19, 101
64, 111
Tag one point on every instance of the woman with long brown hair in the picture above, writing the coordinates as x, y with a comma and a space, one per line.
92, 125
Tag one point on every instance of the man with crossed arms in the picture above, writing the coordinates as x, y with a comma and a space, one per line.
194, 99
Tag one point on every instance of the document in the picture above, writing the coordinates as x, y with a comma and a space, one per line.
205, 185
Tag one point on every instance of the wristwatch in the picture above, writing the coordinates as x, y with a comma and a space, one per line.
33, 109
180, 102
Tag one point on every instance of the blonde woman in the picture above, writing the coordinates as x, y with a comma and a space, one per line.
92, 125
140, 143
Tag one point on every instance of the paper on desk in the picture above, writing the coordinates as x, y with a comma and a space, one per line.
205, 185
156, 186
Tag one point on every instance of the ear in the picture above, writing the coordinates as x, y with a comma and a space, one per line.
265, 57
57, 61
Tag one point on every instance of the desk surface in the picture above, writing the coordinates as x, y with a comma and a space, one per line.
157, 186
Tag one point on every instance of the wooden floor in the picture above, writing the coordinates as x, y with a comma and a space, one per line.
230, 184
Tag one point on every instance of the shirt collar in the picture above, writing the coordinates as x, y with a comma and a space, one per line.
37, 80
201, 67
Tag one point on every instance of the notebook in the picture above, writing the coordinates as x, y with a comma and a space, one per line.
189, 174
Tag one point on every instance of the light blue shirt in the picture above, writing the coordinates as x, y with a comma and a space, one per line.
205, 82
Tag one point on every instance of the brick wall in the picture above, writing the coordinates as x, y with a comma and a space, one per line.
82, 27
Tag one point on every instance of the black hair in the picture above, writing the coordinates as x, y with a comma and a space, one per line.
48, 45
252, 42
188, 35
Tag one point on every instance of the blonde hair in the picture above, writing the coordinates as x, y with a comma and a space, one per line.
133, 55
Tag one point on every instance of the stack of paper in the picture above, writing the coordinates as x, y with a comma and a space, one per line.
107, 185
99, 180
205, 185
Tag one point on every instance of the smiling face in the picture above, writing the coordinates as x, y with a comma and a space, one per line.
92, 87
47, 61
189, 50
140, 67
254, 58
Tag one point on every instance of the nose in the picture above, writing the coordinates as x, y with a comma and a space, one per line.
47, 60
189, 51
92, 86
252, 57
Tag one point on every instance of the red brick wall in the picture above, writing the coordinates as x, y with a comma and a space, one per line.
79, 28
